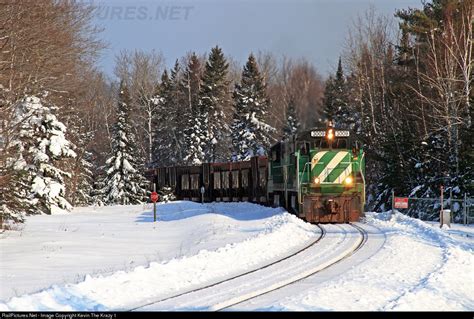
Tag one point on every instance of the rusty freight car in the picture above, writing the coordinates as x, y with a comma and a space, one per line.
220, 182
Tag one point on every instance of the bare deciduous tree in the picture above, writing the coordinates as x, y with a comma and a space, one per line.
141, 71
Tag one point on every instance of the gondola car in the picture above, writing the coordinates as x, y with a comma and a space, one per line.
220, 182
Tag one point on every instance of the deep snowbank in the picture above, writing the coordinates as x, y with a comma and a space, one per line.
214, 241
420, 267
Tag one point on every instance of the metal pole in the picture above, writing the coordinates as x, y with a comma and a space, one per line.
465, 209
393, 203
441, 212
451, 198
154, 204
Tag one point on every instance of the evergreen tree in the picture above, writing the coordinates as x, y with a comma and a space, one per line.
80, 185
328, 102
98, 186
250, 134
14, 188
194, 134
292, 124
34, 169
123, 183
44, 145
177, 113
335, 100
172, 119
213, 99
163, 136
85, 186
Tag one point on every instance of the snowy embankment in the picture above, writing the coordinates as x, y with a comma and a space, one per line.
420, 267
116, 257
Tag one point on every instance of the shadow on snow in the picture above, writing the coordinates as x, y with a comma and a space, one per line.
182, 209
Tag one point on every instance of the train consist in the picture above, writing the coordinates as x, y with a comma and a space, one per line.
318, 175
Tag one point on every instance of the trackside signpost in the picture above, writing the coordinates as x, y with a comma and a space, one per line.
398, 202
401, 202
444, 214
154, 198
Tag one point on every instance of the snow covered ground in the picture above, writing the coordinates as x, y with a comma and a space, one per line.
116, 258
419, 267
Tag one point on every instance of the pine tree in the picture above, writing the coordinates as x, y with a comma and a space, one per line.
34, 175
99, 179
85, 187
172, 119
328, 102
14, 188
124, 183
163, 136
194, 134
177, 113
44, 144
292, 124
250, 134
335, 100
80, 185
214, 97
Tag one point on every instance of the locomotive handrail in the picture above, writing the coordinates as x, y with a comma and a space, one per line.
362, 174
301, 182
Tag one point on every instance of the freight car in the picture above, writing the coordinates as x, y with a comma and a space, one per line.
319, 175
209, 182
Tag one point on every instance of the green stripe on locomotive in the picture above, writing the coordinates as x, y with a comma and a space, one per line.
330, 168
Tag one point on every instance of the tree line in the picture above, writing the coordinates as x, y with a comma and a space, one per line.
407, 94
72, 136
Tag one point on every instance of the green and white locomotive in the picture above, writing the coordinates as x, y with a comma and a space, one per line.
318, 175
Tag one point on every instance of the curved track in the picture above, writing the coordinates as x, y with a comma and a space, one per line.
340, 242
277, 300
363, 240
321, 236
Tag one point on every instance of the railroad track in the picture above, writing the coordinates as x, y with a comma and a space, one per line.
231, 286
321, 236
363, 240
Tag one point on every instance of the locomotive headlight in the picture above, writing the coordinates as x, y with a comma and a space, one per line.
330, 134
348, 180
316, 180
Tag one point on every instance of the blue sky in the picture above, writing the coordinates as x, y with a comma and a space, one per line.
314, 29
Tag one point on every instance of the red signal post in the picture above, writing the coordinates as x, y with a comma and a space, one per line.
154, 198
